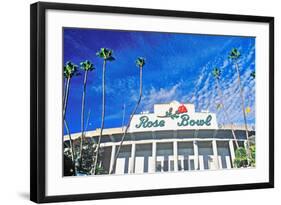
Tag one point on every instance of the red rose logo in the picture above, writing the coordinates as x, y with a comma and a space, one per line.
182, 109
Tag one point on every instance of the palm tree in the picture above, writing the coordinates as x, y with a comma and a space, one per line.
106, 55
140, 62
217, 73
86, 66
248, 109
234, 56
69, 71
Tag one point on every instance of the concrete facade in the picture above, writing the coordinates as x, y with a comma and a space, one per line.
171, 146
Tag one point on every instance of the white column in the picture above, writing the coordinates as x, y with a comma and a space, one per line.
153, 156
215, 153
175, 151
232, 152
196, 155
113, 149
246, 144
133, 158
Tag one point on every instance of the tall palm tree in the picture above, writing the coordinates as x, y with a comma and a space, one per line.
140, 62
87, 66
106, 55
217, 74
69, 71
248, 109
234, 55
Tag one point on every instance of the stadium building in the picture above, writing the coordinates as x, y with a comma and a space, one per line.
173, 138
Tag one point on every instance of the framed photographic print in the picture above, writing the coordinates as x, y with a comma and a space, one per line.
129, 102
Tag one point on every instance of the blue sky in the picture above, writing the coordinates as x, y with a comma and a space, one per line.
178, 67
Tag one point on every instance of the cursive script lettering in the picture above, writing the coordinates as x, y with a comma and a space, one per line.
145, 122
186, 121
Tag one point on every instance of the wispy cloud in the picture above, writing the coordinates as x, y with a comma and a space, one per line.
160, 95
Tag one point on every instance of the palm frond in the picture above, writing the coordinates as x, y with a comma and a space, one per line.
106, 54
140, 62
216, 73
253, 74
234, 54
70, 69
110, 58
87, 65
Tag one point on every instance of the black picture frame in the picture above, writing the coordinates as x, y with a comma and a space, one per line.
38, 100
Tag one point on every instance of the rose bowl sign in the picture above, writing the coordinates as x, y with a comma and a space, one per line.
173, 116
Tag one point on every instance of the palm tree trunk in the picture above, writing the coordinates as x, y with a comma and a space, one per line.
128, 125
66, 94
226, 113
71, 146
243, 108
82, 116
102, 117
66, 90
123, 118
